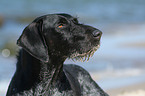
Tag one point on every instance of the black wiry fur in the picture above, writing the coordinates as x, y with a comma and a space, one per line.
46, 43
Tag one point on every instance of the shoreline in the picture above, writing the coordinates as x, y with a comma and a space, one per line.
129, 89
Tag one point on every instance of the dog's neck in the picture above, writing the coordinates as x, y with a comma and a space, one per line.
38, 71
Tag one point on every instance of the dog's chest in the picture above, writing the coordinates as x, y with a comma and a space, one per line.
43, 90
52, 90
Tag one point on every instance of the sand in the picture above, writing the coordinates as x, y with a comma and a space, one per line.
130, 90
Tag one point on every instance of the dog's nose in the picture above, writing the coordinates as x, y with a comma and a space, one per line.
97, 34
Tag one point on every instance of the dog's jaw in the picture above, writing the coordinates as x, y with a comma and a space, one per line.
84, 56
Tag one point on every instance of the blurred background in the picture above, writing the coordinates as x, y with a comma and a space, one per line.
119, 64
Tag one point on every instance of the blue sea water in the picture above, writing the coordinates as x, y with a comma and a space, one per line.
92, 11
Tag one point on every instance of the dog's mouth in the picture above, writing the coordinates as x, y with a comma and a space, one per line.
84, 56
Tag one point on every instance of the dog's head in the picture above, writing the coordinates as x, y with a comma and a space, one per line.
59, 35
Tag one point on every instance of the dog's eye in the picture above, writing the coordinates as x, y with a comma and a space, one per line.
61, 25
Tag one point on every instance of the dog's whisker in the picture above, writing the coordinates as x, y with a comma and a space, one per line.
84, 56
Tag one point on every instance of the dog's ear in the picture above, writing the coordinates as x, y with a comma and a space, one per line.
33, 41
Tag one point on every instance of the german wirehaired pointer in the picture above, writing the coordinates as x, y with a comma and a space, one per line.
46, 43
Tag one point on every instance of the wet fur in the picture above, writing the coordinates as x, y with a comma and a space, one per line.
46, 43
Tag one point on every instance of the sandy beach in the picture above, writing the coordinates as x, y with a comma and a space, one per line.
130, 90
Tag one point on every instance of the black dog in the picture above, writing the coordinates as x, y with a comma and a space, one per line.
46, 43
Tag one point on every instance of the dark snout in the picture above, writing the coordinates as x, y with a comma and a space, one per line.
97, 34
93, 32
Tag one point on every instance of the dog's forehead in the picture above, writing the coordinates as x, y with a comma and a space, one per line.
51, 19
65, 16
57, 16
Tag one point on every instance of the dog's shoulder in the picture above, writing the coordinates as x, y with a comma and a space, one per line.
87, 84
76, 70
79, 74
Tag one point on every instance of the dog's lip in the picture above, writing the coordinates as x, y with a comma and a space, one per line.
84, 56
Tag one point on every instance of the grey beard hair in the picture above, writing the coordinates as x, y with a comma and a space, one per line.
84, 56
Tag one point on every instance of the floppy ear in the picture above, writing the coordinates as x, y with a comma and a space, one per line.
33, 42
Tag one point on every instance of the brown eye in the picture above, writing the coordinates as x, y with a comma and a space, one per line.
61, 25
